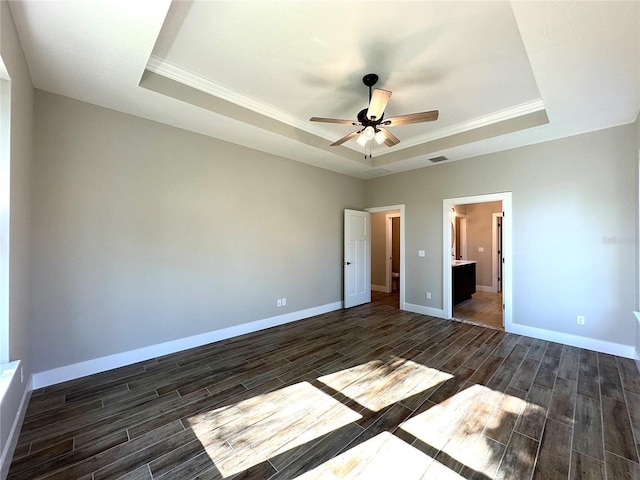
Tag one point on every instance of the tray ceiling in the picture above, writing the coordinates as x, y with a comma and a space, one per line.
502, 74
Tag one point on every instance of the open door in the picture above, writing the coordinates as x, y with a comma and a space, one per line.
357, 258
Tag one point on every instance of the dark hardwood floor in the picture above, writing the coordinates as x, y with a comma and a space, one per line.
369, 392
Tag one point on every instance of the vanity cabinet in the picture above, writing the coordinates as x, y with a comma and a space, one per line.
463, 279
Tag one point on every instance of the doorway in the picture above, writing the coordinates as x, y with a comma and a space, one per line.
491, 275
387, 287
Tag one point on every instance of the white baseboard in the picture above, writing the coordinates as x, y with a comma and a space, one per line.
12, 440
89, 367
434, 312
627, 351
380, 288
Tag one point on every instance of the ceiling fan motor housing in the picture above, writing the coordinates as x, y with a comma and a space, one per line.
365, 121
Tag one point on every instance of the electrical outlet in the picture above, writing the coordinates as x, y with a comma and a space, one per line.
279, 302
428, 295
580, 319
284, 302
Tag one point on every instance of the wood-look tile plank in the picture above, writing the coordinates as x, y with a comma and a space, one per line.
629, 373
501, 378
141, 473
548, 370
447, 388
107, 457
42, 456
563, 399
586, 468
555, 452
554, 350
523, 378
568, 366
503, 420
587, 430
619, 468
519, 458
485, 371
321, 452
532, 418
633, 404
516, 356
536, 351
588, 379
60, 462
610, 384
618, 435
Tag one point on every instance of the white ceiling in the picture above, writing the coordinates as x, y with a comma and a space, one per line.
502, 74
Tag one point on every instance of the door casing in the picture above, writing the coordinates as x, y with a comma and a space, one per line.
507, 280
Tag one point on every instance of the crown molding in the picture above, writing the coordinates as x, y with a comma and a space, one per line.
192, 79
197, 81
478, 122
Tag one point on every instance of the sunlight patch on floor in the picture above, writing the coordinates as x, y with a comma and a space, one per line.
461, 427
382, 457
376, 384
239, 436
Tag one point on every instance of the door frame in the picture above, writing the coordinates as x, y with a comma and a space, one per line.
507, 277
389, 249
494, 251
400, 208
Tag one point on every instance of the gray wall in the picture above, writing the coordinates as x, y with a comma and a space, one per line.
20, 235
144, 233
574, 226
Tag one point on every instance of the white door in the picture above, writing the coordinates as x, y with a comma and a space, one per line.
357, 258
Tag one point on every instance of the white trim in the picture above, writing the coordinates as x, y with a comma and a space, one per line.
389, 249
89, 367
523, 109
447, 205
627, 351
637, 346
192, 79
380, 288
433, 312
14, 434
494, 251
402, 247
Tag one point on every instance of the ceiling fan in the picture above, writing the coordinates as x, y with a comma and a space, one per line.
372, 119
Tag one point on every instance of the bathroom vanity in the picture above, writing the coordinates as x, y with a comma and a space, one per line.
463, 280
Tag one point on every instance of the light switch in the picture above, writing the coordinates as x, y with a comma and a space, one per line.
481, 249
421, 253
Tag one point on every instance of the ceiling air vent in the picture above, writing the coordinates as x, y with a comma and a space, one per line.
378, 171
441, 158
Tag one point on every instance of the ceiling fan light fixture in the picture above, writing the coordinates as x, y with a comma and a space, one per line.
362, 140
380, 137
369, 133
